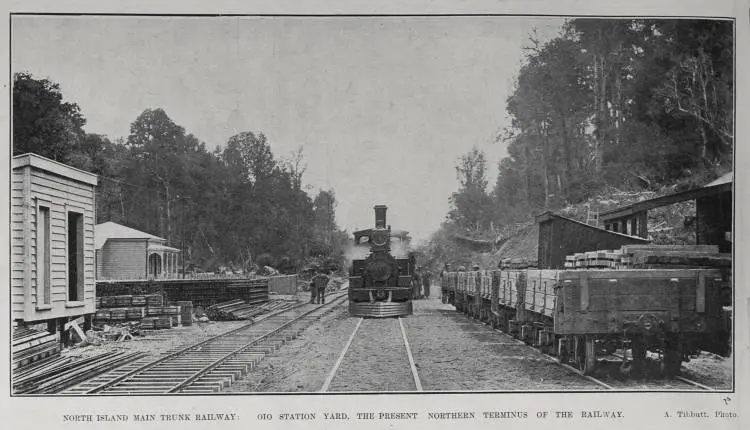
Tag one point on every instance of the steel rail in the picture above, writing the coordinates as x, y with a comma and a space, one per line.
691, 382
336, 365
414, 373
208, 368
183, 350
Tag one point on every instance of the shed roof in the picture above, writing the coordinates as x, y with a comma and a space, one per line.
549, 215
42, 163
112, 230
721, 185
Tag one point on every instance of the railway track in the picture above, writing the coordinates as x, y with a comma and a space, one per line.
338, 382
210, 365
677, 383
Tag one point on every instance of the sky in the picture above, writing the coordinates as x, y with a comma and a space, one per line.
382, 107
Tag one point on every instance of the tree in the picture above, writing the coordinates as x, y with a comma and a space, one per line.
42, 123
158, 162
253, 153
471, 207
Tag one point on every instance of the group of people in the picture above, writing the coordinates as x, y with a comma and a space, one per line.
421, 282
318, 286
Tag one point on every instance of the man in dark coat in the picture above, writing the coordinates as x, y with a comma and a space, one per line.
321, 282
426, 279
415, 284
313, 287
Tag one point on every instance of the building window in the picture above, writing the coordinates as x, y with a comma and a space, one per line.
75, 257
43, 261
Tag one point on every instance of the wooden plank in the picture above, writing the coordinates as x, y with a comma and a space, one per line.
696, 248
636, 273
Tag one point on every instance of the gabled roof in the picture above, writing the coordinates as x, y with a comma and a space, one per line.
112, 230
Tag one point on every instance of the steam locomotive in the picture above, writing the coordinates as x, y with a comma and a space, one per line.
381, 272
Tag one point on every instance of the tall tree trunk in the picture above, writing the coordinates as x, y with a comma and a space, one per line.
565, 156
603, 116
169, 212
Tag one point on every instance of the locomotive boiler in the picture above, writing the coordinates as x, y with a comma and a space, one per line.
381, 271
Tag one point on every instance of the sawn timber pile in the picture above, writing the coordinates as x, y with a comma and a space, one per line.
233, 310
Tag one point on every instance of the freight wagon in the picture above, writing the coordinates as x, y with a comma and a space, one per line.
579, 314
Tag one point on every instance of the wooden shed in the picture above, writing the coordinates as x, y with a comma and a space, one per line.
713, 207
560, 236
52, 234
126, 253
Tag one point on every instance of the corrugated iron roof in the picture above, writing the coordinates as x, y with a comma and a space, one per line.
112, 230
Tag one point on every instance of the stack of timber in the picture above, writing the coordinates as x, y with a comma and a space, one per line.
233, 310
63, 372
674, 257
30, 347
173, 313
201, 292
149, 310
117, 309
516, 263
651, 257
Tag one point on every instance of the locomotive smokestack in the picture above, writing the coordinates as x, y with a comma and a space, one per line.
380, 216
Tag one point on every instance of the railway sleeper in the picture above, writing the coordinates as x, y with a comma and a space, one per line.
221, 380
214, 385
198, 390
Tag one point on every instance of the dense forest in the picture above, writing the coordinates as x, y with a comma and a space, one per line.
627, 104
236, 206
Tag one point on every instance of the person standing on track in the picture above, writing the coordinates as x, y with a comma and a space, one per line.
415, 284
321, 282
426, 279
443, 281
313, 287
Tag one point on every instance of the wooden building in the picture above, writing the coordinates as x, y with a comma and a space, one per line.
126, 253
713, 213
52, 241
560, 236
545, 243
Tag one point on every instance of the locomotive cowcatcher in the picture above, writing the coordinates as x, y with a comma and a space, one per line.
380, 274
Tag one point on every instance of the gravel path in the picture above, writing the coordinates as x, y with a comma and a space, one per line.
376, 360
454, 353
451, 353
303, 364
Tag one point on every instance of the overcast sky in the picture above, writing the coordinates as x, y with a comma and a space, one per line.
382, 106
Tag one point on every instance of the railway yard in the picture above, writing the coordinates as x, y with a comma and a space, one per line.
320, 348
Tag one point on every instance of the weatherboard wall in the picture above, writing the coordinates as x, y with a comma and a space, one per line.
43, 195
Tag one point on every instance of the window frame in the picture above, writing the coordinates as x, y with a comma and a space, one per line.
46, 299
80, 292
